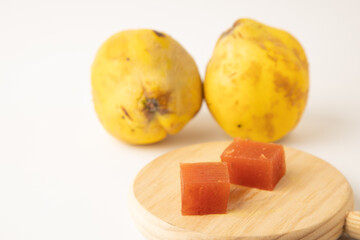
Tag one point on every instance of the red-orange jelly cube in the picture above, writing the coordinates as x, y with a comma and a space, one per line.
255, 164
205, 188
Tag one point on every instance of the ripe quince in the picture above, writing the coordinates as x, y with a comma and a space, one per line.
145, 85
257, 81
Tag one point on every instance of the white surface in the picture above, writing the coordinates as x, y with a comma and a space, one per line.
63, 177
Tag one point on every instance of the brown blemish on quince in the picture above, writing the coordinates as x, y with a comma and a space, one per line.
261, 45
272, 58
269, 127
126, 113
159, 34
227, 32
237, 23
239, 35
303, 62
260, 41
230, 30
155, 102
253, 73
264, 123
292, 91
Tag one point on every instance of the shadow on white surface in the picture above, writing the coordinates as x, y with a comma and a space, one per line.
316, 127
202, 128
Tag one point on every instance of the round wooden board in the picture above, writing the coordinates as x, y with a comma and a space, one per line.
309, 202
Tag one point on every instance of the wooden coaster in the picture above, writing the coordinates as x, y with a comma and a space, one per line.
310, 202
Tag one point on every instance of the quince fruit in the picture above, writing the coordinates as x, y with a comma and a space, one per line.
257, 81
145, 86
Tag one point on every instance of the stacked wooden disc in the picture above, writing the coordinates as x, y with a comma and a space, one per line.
310, 202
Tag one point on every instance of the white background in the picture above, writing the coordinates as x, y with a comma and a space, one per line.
63, 177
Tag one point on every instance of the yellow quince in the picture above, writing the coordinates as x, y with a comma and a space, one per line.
257, 81
145, 86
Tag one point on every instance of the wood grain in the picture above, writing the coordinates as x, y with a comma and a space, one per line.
352, 226
310, 202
